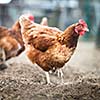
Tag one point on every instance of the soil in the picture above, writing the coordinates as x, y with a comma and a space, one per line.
24, 81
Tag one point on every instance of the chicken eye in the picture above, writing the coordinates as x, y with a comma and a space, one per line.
80, 27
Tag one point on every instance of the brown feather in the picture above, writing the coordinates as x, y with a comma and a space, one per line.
48, 47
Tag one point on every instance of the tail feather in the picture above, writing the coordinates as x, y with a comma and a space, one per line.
44, 21
24, 22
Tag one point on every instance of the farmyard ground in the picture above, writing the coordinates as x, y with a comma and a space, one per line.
25, 81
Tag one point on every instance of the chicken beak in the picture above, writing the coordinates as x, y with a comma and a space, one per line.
86, 29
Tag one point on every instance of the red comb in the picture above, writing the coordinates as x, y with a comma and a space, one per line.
31, 17
81, 21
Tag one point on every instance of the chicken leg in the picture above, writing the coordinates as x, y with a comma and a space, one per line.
60, 74
2, 55
47, 77
3, 64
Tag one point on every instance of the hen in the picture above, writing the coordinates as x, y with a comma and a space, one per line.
11, 42
49, 47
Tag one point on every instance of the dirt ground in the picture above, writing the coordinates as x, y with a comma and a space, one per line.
24, 81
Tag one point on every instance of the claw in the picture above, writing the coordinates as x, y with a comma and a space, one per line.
3, 66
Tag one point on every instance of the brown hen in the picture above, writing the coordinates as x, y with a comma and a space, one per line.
11, 42
49, 47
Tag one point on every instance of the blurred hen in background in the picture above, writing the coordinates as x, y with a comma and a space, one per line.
11, 43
